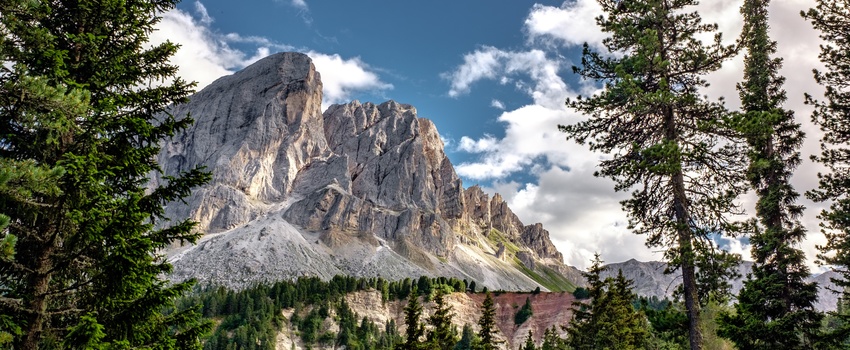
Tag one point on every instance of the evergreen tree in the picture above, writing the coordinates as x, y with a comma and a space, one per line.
524, 313
529, 342
415, 329
443, 334
666, 141
832, 19
468, 339
487, 322
608, 321
551, 340
775, 309
81, 117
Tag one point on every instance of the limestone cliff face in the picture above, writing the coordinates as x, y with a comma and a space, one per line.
363, 188
255, 130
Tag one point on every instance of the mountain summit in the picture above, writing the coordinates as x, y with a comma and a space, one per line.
362, 190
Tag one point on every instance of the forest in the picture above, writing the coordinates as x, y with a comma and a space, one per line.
83, 109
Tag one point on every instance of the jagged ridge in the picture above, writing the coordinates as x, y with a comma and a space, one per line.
362, 189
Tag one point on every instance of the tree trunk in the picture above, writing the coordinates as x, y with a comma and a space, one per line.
37, 306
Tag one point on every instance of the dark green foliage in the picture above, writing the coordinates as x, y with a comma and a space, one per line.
551, 340
251, 318
415, 330
487, 322
443, 334
468, 339
524, 313
608, 320
775, 309
832, 19
529, 342
81, 119
668, 321
667, 143
581, 293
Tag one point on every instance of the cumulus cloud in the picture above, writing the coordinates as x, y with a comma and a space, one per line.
490, 63
571, 24
206, 55
582, 212
342, 78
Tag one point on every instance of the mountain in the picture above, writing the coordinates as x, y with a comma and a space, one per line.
650, 280
361, 189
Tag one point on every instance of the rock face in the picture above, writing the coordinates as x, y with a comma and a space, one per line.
650, 280
362, 189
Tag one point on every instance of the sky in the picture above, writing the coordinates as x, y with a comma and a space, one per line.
493, 76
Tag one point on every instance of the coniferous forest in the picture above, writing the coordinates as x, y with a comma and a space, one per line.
83, 111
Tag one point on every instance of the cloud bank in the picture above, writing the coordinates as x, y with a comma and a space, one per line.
582, 212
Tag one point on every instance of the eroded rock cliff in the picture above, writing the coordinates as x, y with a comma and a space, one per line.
362, 189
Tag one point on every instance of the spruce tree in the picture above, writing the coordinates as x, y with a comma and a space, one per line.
832, 115
487, 322
82, 112
443, 334
415, 330
663, 139
529, 342
608, 321
775, 309
468, 339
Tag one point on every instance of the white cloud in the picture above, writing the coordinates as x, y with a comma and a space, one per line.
497, 104
582, 212
202, 11
342, 78
572, 24
206, 55
488, 143
489, 63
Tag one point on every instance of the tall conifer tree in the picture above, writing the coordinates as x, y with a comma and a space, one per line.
832, 19
415, 330
487, 322
82, 96
443, 334
665, 140
775, 309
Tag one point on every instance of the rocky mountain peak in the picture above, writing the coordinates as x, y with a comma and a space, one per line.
356, 189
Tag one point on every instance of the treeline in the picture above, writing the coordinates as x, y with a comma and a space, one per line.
251, 318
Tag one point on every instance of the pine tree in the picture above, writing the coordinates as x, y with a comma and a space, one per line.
775, 309
415, 330
832, 19
81, 117
487, 322
608, 321
667, 143
443, 334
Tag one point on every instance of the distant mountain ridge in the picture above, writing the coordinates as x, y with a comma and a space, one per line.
650, 280
363, 190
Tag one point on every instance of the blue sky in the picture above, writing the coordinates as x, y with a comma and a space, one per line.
493, 76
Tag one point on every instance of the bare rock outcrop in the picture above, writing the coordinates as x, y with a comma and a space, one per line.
361, 189
254, 130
